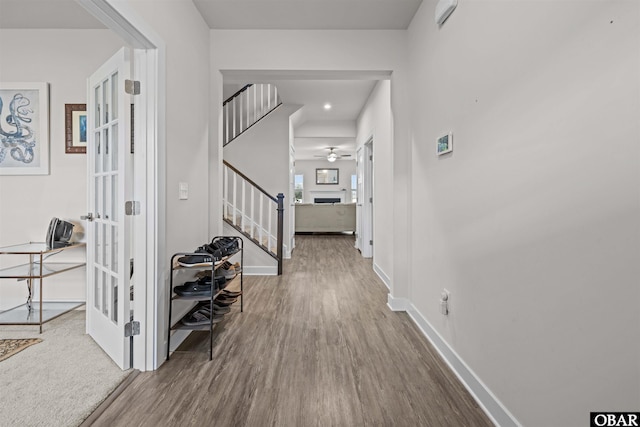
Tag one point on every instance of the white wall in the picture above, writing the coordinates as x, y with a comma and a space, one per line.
374, 123
186, 38
346, 168
29, 202
532, 222
184, 127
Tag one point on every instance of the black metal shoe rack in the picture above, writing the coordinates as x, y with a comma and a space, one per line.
197, 299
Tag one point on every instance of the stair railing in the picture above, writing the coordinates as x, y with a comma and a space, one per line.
253, 212
246, 107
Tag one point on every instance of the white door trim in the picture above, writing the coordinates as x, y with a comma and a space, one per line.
149, 252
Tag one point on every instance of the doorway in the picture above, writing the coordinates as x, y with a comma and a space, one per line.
139, 247
364, 207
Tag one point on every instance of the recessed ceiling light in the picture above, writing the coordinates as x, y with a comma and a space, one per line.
327, 106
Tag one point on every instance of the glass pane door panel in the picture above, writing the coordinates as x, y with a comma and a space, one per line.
106, 99
114, 197
107, 143
114, 306
105, 297
96, 287
114, 147
96, 194
98, 152
97, 107
114, 96
98, 246
105, 252
114, 248
104, 202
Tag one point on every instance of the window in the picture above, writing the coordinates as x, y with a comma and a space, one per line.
354, 189
298, 188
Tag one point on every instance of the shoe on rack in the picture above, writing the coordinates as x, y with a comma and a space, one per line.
224, 302
217, 309
214, 251
220, 282
217, 306
231, 294
200, 317
228, 273
227, 245
201, 258
199, 288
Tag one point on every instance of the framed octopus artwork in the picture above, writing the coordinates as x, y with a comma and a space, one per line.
24, 128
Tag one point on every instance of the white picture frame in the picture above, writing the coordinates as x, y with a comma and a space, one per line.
444, 144
24, 128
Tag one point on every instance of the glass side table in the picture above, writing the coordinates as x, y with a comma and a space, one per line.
37, 269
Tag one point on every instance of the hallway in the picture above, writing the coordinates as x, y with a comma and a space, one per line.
315, 347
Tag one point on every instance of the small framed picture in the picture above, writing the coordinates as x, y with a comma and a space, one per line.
445, 144
75, 128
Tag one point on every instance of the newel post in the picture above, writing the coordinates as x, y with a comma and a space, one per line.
280, 197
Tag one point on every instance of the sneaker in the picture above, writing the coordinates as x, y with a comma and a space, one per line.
226, 245
228, 274
201, 258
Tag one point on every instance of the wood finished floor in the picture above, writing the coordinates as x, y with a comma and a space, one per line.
315, 347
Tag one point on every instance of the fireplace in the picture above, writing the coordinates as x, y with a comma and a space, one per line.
326, 200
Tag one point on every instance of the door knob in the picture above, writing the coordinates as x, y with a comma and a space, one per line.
88, 217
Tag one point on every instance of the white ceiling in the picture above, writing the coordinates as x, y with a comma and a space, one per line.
308, 14
232, 14
54, 14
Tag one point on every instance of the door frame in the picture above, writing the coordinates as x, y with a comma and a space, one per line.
148, 234
366, 216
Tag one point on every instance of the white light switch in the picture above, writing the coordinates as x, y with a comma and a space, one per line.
183, 193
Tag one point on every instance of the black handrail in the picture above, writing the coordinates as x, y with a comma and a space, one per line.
249, 180
237, 93
279, 199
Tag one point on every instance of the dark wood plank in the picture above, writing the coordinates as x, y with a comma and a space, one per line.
315, 347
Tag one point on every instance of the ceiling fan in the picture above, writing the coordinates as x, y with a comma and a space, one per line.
332, 156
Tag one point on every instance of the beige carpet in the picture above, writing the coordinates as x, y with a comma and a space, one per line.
58, 382
9, 347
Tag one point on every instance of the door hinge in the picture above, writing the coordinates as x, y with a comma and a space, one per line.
132, 87
371, 242
370, 199
371, 157
132, 208
132, 328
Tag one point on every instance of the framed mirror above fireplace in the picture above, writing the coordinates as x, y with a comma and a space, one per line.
327, 176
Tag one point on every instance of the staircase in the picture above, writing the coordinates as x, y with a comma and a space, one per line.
247, 207
247, 107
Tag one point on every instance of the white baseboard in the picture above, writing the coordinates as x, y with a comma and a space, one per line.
178, 338
382, 275
264, 270
494, 409
397, 304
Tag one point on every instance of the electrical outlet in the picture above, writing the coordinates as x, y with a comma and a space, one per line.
445, 297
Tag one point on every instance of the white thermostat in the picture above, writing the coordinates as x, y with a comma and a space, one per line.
445, 144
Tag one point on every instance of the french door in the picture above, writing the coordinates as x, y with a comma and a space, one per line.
110, 173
